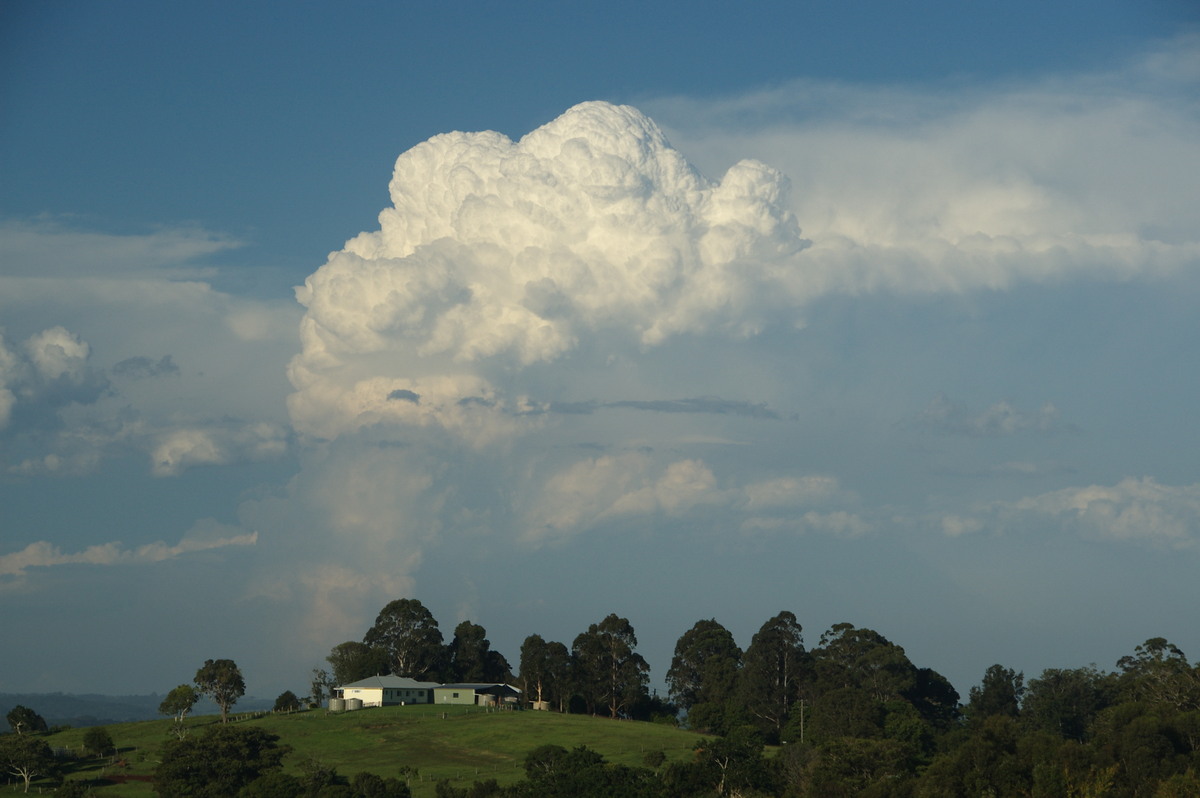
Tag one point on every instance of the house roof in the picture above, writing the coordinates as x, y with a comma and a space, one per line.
476, 686
390, 683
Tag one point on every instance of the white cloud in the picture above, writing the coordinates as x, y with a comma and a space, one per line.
164, 253
591, 226
49, 370
72, 395
980, 187
219, 444
57, 353
1132, 510
44, 554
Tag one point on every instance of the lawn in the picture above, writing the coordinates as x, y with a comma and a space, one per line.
458, 743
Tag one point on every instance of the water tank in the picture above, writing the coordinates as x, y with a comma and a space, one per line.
353, 703
337, 705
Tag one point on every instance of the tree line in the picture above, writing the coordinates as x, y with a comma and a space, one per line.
851, 716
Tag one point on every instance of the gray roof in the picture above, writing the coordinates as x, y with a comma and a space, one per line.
390, 683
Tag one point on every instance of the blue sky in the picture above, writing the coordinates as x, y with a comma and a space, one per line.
875, 312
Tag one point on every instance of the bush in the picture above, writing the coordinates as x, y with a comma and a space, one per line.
287, 702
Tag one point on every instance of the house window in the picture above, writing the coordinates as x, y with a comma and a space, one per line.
456, 695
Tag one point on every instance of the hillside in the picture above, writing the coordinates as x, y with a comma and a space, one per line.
463, 744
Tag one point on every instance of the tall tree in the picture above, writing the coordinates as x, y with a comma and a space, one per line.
220, 680
545, 670
472, 658
534, 678
771, 672
865, 659
705, 665
1159, 672
703, 676
610, 672
407, 631
352, 661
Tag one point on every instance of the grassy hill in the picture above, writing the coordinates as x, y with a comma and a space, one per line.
461, 744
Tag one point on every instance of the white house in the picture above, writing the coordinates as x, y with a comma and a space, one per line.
379, 691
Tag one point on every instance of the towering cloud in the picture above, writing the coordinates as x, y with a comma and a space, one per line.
591, 228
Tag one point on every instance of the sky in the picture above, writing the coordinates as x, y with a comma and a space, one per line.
876, 312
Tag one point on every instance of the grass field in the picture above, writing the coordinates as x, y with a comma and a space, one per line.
462, 744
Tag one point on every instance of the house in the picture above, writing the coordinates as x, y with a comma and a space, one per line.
484, 695
382, 691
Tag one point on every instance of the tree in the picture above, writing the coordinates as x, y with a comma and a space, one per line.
609, 671
1159, 672
352, 661
370, 785
26, 757
221, 681
554, 772
1065, 702
407, 631
771, 673
286, 702
179, 702
534, 671
545, 671
472, 658
321, 686
734, 763
999, 693
853, 657
23, 720
703, 674
218, 763
97, 741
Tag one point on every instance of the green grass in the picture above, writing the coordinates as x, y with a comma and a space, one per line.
462, 744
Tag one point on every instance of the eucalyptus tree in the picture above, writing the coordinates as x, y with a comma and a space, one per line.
352, 661
773, 667
221, 680
608, 670
408, 632
26, 758
471, 657
702, 679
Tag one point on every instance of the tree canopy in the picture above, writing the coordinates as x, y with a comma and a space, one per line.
611, 673
24, 720
408, 633
218, 763
221, 681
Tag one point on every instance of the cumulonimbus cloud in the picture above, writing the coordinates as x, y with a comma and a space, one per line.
591, 226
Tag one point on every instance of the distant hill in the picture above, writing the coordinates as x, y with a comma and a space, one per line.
65, 709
